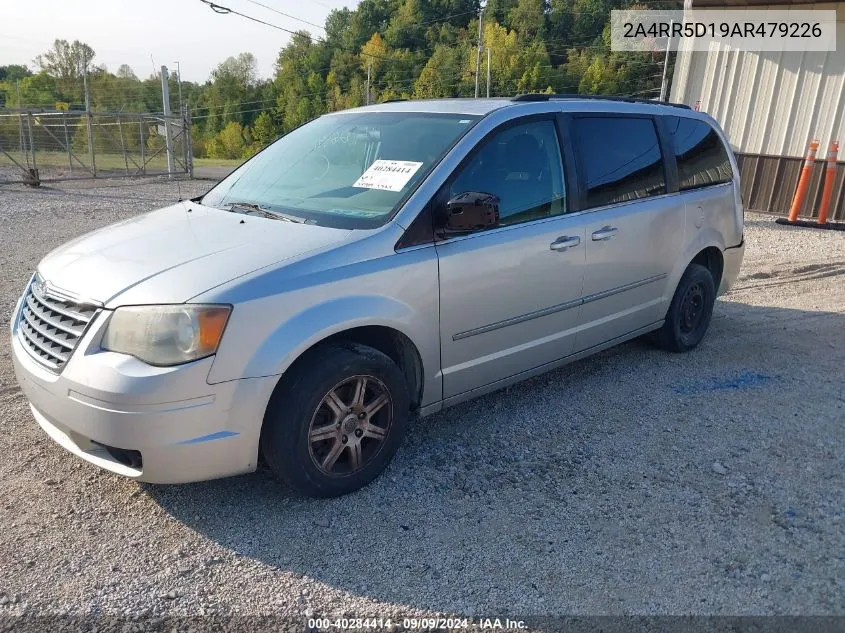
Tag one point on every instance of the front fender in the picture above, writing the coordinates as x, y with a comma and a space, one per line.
277, 350
296, 335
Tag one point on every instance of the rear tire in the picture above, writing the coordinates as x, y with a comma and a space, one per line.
689, 313
336, 420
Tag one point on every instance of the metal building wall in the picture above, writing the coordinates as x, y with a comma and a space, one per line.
770, 105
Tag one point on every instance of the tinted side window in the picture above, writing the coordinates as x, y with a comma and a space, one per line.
521, 165
702, 159
620, 158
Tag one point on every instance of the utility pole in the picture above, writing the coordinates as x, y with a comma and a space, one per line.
89, 122
369, 67
664, 85
480, 46
165, 101
85, 90
488, 72
179, 80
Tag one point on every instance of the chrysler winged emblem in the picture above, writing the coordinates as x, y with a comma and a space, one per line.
39, 286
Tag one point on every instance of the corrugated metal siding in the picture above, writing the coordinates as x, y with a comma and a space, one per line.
769, 182
771, 104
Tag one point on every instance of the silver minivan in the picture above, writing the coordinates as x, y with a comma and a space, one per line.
374, 265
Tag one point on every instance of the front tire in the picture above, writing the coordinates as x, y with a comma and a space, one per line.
689, 313
336, 420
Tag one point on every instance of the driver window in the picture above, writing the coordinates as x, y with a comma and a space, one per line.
522, 166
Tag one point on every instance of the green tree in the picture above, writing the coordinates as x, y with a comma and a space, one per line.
66, 62
233, 141
406, 29
371, 16
233, 94
236, 73
528, 18
515, 67
14, 72
374, 54
498, 11
264, 131
412, 48
337, 25
124, 71
300, 80
442, 74
40, 91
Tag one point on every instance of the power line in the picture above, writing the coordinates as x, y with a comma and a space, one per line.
287, 15
443, 19
226, 10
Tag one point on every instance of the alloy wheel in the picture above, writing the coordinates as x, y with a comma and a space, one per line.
350, 424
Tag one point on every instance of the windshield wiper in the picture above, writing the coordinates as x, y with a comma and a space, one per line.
267, 213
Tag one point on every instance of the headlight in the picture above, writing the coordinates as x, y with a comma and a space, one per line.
166, 335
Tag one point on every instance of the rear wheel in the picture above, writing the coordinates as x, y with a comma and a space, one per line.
336, 421
690, 312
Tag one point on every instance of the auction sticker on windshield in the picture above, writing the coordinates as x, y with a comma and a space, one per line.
388, 175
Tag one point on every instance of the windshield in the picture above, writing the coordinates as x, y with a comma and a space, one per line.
343, 170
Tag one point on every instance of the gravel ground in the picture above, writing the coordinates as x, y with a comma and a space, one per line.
633, 482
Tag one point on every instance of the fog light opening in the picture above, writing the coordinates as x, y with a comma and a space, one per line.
127, 457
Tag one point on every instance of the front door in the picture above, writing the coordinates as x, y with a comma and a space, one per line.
510, 295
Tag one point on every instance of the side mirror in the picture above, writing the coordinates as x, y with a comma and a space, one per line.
471, 211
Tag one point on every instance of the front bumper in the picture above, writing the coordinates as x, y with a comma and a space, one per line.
184, 429
732, 257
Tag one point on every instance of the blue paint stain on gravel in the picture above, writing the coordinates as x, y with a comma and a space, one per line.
736, 382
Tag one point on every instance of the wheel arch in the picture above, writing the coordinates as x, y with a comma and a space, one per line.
376, 321
713, 260
390, 341
707, 250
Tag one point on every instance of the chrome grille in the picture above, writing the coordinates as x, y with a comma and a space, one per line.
51, 327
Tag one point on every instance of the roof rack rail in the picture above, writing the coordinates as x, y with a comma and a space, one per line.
550, 97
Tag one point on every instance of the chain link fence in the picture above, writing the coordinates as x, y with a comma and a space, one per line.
38, 146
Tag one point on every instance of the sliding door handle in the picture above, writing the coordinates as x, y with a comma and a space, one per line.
604, 233
564, 242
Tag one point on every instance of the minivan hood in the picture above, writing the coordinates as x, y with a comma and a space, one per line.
175, 253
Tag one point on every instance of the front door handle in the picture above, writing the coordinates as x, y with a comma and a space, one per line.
604, 233
564, 242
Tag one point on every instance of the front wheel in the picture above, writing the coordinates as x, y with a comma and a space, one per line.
336, 421
689, 313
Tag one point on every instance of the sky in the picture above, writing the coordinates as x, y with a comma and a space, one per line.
147, 34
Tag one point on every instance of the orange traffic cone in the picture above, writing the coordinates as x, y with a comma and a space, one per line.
804, 181
829, 179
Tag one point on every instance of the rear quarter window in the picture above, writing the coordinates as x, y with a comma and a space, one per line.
701, 157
